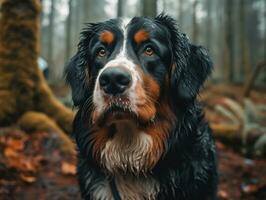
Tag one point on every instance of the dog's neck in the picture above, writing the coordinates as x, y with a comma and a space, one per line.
125, 128
127, 150
124, 157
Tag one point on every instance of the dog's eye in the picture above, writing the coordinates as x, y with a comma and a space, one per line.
148, 51
101, 52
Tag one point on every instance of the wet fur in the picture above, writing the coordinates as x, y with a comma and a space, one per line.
173, 154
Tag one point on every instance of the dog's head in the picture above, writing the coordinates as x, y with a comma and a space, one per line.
131, 76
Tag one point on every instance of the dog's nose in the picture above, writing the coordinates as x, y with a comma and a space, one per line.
115, 80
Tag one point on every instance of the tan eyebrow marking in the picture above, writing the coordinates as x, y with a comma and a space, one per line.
141, 36
107, 37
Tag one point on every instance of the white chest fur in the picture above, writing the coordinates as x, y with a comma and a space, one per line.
128, 150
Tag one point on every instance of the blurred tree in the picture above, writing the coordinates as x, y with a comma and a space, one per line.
180, 13
211, 28
264, 48
77, 18
120, 7
209, 24
149, 8
51, 42
68, 30
85, 12
164, 5
253, 34
195, 31
25, 98
244, 55
93, 11
229, 40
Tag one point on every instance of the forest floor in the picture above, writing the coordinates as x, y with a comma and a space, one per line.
32, 166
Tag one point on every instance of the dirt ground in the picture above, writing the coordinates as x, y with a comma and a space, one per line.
32, 167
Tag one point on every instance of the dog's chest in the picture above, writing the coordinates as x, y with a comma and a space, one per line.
129, 188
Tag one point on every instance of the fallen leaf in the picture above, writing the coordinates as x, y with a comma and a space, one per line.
10, 152
220, 145
7, 183
250, 188
222, 194
23, 164
16, 144
68, 168
28, 179
29, 165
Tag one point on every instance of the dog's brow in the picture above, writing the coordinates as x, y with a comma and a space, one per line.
107, 37
141, 36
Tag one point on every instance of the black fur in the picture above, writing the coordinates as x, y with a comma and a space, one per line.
187, 171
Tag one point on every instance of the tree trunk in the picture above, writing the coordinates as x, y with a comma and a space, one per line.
149, 8
252, 78
209, 24
68, 31
85, 11
195, 31
90, 12
180, 13
77, 15
25, 98
164, 5
229, 40
244, 63
265, 33
120, 7
51, 42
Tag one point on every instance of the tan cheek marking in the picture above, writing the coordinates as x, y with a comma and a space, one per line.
141, 36
160, 132
95, 116
107, 37
165, 117
154, 88
100, 137
148, 110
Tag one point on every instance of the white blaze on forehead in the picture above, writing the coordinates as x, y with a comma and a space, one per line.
123, 50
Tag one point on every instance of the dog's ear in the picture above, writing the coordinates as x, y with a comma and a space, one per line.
190, 63
75, 76
77, 70
192, 75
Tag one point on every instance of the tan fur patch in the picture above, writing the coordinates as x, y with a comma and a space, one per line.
99, 139
141, 36
147, 94
107, 37
160, 132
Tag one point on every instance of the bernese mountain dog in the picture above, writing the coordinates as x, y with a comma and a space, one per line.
139, 129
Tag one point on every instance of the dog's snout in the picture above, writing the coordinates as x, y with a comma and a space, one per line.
115, 80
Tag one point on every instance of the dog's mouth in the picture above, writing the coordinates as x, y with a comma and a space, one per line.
119, 110
116, 113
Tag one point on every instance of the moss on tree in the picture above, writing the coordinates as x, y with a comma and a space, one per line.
25, 97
